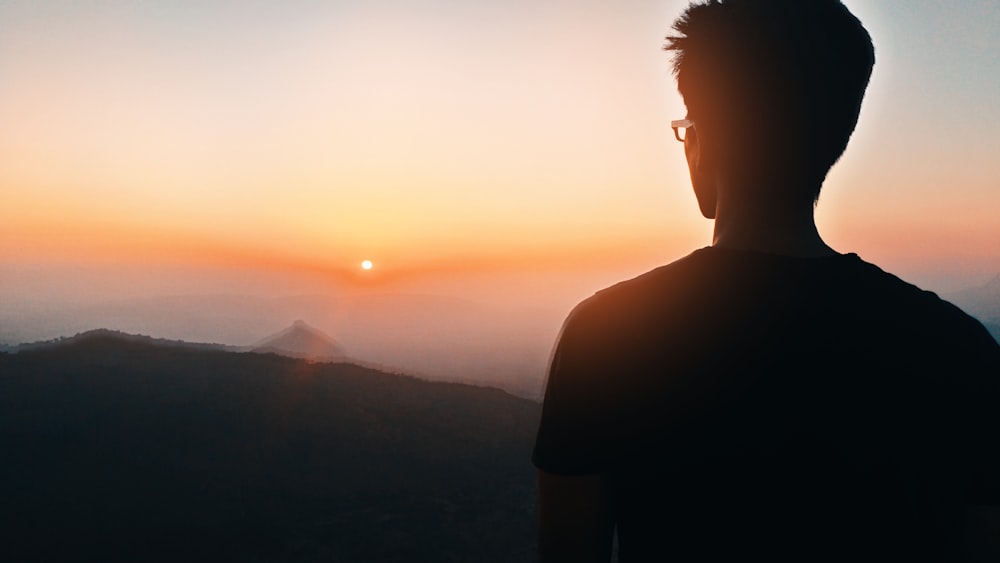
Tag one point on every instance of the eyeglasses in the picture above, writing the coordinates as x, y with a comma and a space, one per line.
679, 124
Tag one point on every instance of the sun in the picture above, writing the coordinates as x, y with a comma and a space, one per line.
367, 265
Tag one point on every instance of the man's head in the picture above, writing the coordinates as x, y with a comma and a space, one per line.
775, 86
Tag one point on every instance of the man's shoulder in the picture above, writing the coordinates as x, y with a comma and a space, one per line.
675, 278
717, 273
721, 283
881, 288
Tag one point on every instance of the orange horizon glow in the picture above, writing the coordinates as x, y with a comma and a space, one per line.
491, 137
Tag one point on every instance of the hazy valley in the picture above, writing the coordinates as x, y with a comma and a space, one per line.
434, 337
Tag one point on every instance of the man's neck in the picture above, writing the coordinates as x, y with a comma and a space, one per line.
786, 231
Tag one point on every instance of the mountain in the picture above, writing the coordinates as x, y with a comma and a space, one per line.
301, 341
131, 450
103, 333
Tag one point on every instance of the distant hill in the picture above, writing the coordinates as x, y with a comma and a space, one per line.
103, 333
301, 341
124, 448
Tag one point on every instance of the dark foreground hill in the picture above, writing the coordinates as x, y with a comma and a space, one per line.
127, 450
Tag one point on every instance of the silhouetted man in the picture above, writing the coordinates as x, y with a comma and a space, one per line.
768, 398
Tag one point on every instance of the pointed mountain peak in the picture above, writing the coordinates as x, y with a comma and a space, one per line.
300, 340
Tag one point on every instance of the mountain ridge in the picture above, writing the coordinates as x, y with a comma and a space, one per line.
105, 333
134, 450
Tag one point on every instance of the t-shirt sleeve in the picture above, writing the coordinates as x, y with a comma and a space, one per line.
576, 435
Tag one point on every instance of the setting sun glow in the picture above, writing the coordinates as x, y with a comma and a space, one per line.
509, 151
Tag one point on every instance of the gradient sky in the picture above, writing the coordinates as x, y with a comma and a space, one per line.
441, 137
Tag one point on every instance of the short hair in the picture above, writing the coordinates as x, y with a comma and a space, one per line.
778, 82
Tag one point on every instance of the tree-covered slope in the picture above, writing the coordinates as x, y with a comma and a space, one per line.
127, 450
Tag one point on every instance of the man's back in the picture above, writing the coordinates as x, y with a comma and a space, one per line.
767, 396
799, 409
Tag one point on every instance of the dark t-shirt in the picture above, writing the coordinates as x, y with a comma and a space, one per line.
745, 404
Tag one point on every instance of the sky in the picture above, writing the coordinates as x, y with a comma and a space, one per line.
466, 147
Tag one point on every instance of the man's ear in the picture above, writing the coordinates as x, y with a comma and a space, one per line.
702, 159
